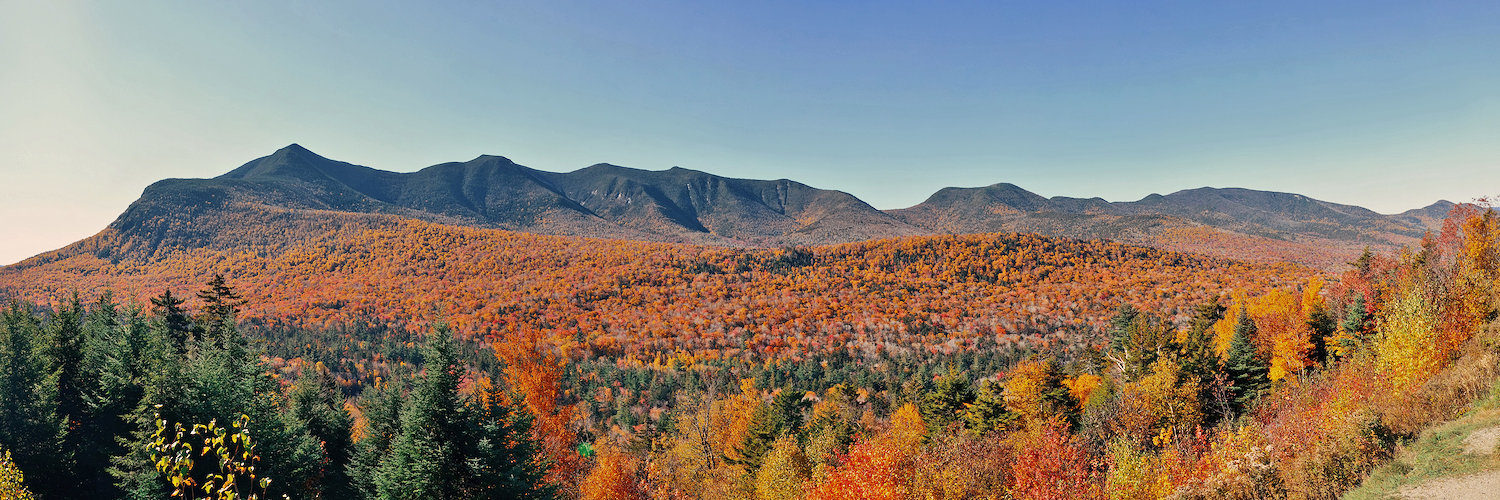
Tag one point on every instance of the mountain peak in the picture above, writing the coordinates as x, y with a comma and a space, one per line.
492, 159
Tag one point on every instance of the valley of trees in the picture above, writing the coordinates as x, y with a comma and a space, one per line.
984, 366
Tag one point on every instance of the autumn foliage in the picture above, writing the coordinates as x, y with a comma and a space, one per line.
1029, 367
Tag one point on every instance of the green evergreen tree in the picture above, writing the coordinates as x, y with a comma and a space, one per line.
988, 413
62, 352
214, 379
1355, 325
172, 319
30, 426
426, 460
946, 403
781, 415
1246, 369
316, 401
1198, 360
112, 347
504, 461
1323, 328
381, 407
220, 305
1137, 340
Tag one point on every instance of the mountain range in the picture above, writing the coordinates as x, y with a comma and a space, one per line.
688, 206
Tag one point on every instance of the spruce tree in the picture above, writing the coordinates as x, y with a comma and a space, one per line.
173, 320
988, 412
317, 402
504, 461
220, 305
112, 347
947, 402
1247, 371
381, 407
781, 415
425, 460
62, 351
30, 426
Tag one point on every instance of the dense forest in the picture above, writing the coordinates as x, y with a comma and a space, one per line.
415, 360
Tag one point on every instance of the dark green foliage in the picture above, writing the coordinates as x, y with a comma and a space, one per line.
1056, 399
30, 426
316, 402
381, 407
113, 346
945, 405
1246, 370
1356, 324
1137, 340
1199, 362
505, 463
772, 419
988, 413
425, 459
450, 448
220, 305
1323, 329
81, 388
173, 321
214, 378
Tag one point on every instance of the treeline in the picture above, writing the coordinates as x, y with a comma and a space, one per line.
104, 401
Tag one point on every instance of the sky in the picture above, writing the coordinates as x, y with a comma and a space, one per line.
1389, 105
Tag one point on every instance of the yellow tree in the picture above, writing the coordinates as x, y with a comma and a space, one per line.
1474, 300
1282, 331
1035, 391
1406, 349
12, 485
784, 472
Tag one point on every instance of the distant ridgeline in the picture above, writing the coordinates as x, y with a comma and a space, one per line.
687, 206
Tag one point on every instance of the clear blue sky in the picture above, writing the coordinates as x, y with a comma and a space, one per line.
1389, 105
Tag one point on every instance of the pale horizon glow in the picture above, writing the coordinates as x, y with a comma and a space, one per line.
1386, 105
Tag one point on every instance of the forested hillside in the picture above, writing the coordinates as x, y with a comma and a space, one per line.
241, 349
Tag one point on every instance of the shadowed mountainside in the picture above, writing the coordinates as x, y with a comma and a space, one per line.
1234, 222
688, 206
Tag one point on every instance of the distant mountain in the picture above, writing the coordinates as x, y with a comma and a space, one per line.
271, 202
1241, 223
606, 201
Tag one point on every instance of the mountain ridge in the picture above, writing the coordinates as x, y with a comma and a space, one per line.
682, 205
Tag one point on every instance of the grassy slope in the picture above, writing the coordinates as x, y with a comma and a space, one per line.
1438, 453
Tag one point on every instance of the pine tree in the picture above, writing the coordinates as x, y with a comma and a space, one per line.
763, 431
30, 426
317, 402
220, 305
988, 412
213, 379
62, 351
781, 415
173, 321
381, 407
111, 354
504, 461
1247, 371
1323, 329
425, 460
946, 403
1137, 340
